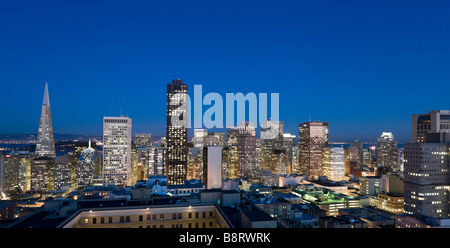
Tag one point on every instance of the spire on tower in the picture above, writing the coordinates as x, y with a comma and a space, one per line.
46, 100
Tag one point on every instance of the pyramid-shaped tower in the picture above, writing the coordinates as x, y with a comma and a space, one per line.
45, 146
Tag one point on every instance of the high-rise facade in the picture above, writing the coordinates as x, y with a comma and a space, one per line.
387, 151
10, 171
155, 166
247, 150
427, 164
232, 169
116, 150
199, 137
278, 162
24, 170
358, 154
45, 146
334, 163
215, 139
176, 132
62, 172
289, 144
143, 139
212, 167
437, 121
271, 139
312, 141
42, 174
427, 179
352, 162
86, 167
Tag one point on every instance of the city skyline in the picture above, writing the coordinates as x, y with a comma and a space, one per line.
248, 117
365, 61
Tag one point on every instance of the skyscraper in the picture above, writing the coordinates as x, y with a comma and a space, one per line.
143, 139
289, 144
86, 167
155, 166
437, 121
427, 179
176, 132
426, 166
247, 150
232, 169
116, 150
312, 141
215, 139
271, 139
334, 164
42, 174
62, 172
195, 154
199, 137
359, 157
387, 151
11, 171
45, 146
212, 167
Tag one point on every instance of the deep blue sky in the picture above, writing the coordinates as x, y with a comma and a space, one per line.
363, 66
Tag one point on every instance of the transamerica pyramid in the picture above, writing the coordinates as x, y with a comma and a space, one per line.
45, 146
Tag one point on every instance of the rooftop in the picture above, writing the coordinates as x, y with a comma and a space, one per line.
256, 215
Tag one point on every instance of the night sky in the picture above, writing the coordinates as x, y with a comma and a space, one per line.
363, 66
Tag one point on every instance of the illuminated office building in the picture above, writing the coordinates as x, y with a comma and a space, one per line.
278, 162
427, 179
387, 151
334, 163
62, 172
24, 170
271, 139
232, 169
289, 144
391, 203
195, 163
199, 137
156, 161
352, 162
10, 171
358, 153
176, 132
86, 167
247, 150
143, 139
45, 146
42, 174
437, 121
116, 150
215, 139
312, 141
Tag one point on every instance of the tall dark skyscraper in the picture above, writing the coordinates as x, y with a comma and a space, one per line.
312, 141
247, 150
176, 132
45, 146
